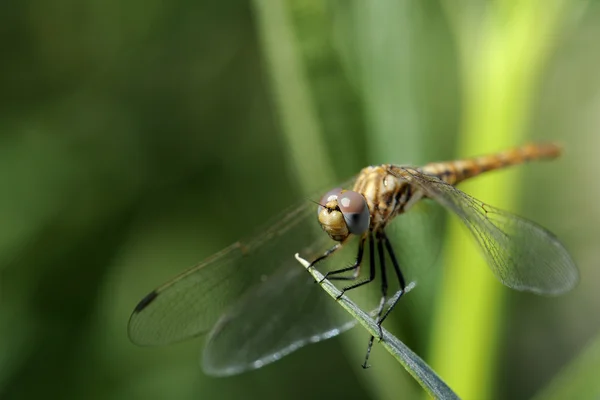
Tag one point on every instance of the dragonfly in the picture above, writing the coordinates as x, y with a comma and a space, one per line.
255, 305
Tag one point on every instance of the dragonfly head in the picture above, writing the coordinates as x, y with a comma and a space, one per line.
343, 212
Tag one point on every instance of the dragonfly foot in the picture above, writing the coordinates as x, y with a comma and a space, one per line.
324, 277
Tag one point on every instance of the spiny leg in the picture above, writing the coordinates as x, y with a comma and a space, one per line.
401, 280
371, 268
327, 253
355, 266
384, 289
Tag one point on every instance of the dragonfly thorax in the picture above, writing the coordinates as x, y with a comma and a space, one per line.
385, 193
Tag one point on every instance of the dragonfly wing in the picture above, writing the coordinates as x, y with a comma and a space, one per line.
522, 255
269, 322
190, 304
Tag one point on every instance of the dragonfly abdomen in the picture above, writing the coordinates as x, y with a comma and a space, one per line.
453, 172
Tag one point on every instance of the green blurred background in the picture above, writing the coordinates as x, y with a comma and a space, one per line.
140, 137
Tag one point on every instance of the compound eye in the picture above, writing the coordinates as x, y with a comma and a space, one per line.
333, 194
355, 210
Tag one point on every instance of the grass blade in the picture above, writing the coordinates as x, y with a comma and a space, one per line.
423, 374
579, 380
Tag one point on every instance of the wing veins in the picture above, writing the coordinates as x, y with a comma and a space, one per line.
522, 254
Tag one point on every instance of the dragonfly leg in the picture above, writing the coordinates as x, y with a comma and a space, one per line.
327, 253
384, 289
354, 267
401, 280
371, 268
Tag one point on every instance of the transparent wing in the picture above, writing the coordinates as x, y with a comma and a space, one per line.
272, 320
192, 303
277, 317
522, 254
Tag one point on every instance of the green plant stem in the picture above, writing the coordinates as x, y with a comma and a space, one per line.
413, 364
502, 54
291, 91
579, 380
